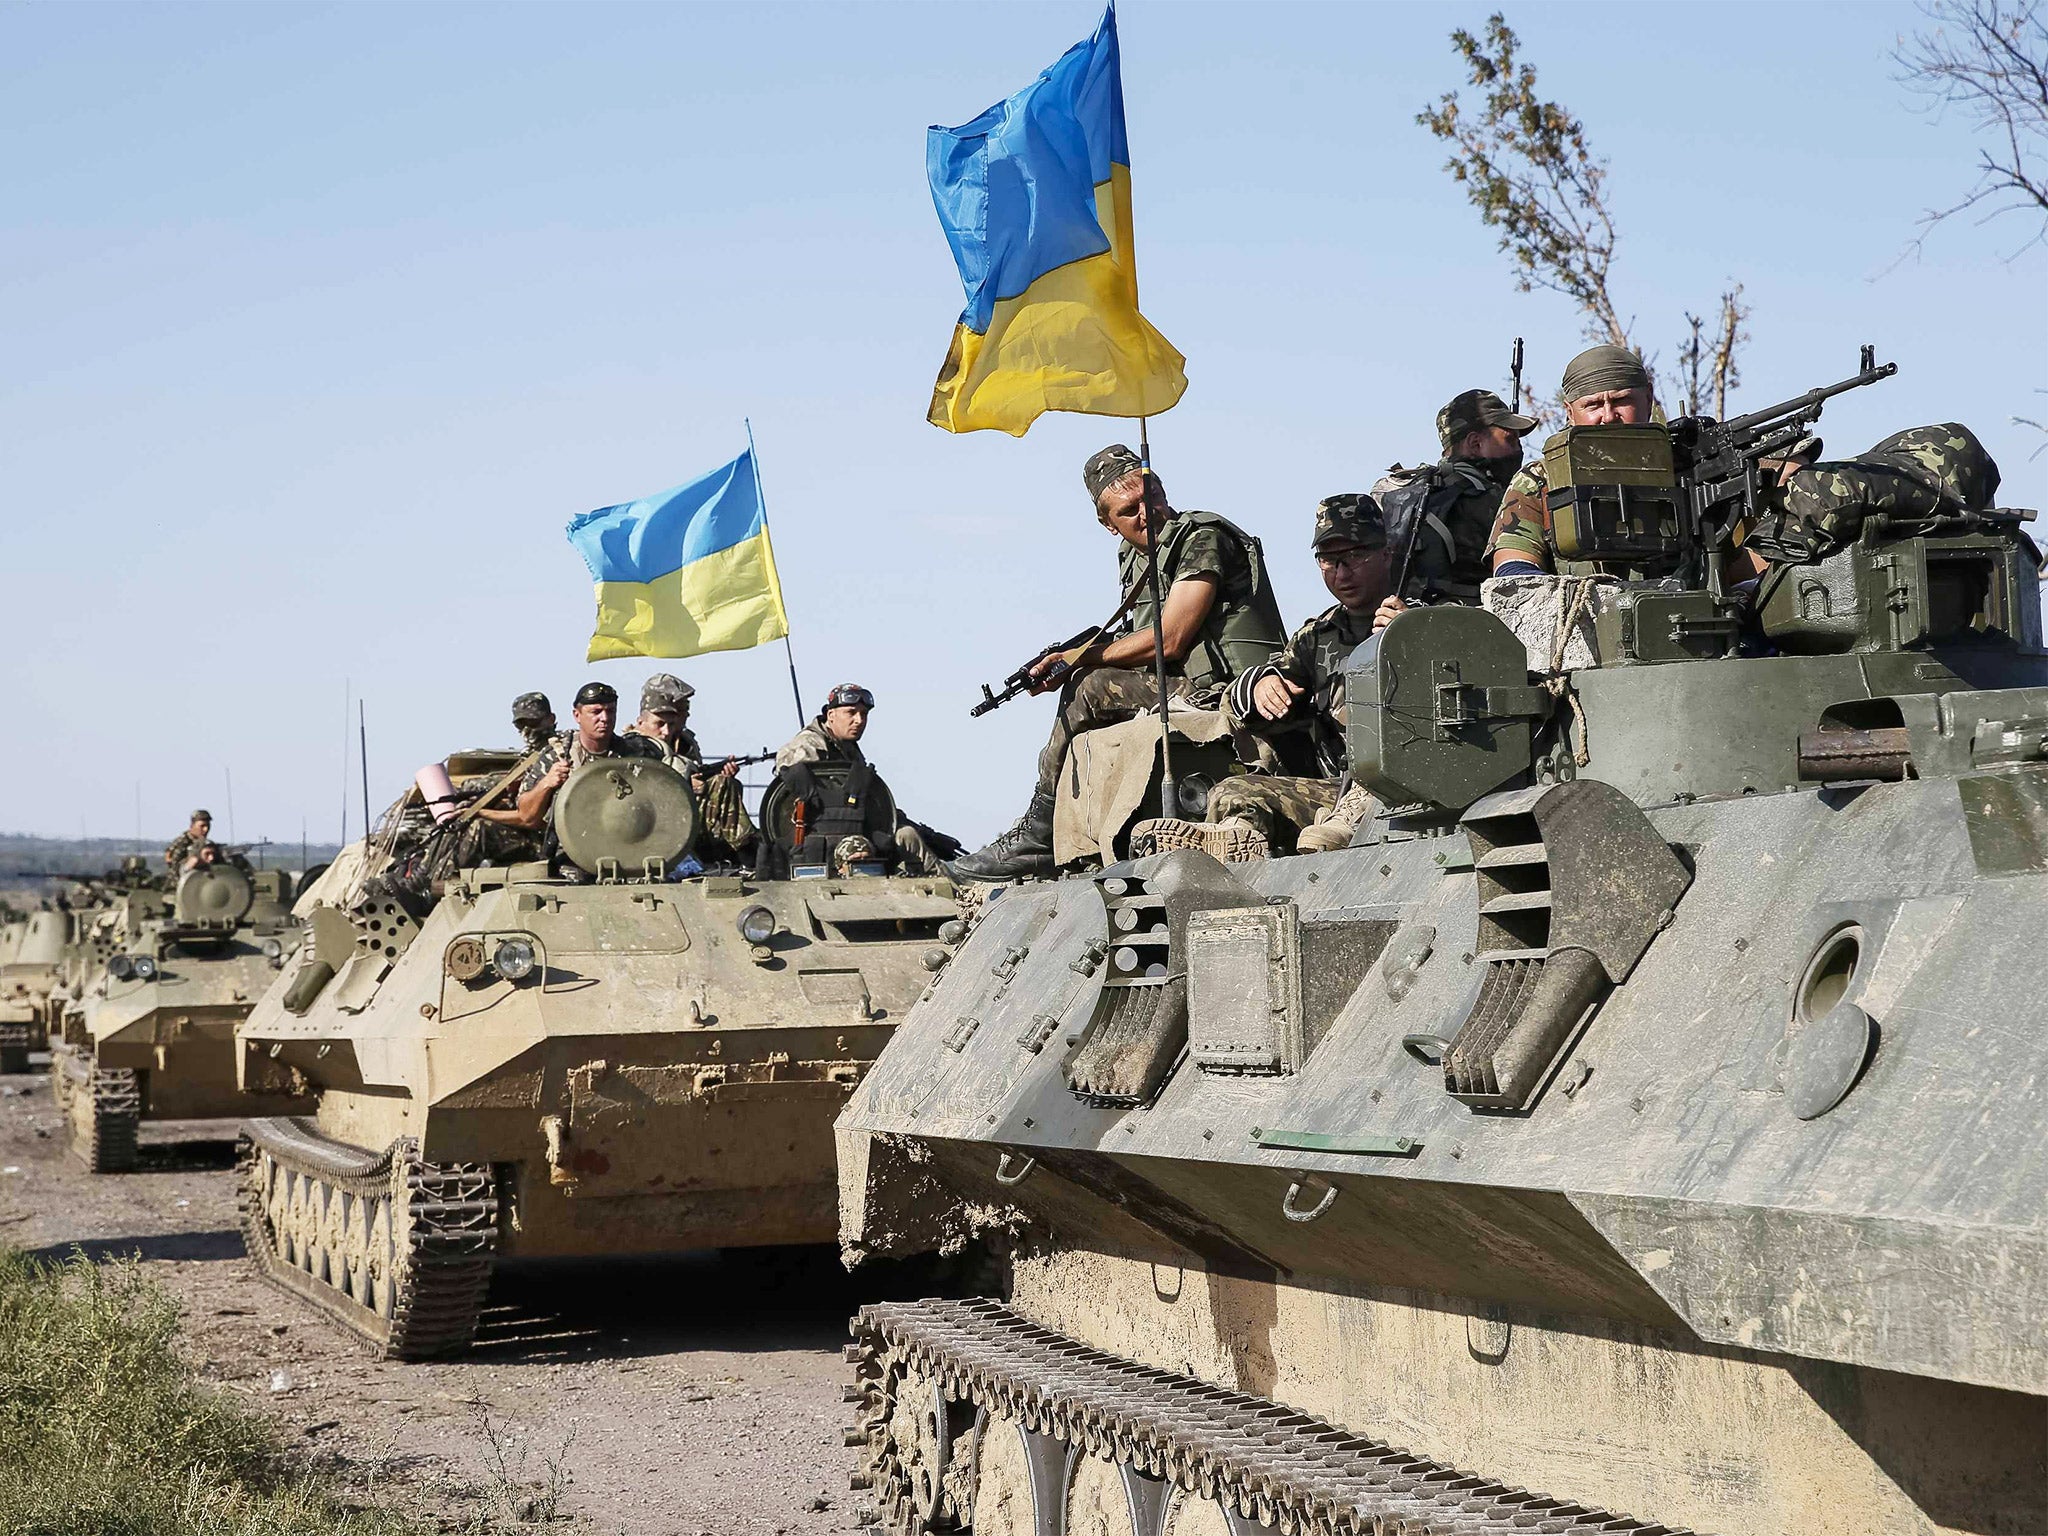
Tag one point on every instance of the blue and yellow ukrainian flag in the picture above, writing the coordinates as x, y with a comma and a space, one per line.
684, 572
1035, 197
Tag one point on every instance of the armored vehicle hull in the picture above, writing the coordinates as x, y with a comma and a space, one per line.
1656, 1123
548, 1066
153, 1034
28, 977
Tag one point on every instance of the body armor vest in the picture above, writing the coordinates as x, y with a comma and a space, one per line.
1239, 633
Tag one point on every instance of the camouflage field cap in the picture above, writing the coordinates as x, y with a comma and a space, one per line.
1353, 518
1474, 409
203, 815
664, 691
1105, 467
1598, 370
531, 709
596, 693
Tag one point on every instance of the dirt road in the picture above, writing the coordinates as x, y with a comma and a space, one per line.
646, 1398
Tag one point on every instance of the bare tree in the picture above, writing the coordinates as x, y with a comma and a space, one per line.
1525, 164
1989, 58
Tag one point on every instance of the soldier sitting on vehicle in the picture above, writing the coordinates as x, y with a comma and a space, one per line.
1295, 701
728, 834
832, 740
1219, 617
533, 717
1454, 502
596, 706
182, 853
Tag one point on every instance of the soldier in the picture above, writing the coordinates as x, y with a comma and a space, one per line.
1296, 700
181, 853
533, 717
596, 706
1457, 499
1219, 618
834, 736
729, 831
1602, 386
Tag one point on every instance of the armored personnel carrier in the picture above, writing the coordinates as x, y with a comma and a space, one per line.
1648, 1107
579, 1056
30, 948
162, 979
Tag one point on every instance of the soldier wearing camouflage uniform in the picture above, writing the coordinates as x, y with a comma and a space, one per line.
1220, 617
533, 717
185, 846
1602, 386
728, 831
1296, 699
834, 736
1456, 499
596, 705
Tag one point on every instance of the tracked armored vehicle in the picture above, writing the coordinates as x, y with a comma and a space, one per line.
1647, 1109
578, 1057
30, 954
161, 981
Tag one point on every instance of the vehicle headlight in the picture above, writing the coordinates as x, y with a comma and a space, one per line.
145, 968
121, 967
757, 925
513, 959
272, 949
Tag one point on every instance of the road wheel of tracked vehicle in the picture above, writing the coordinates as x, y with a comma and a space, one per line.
1002, 1481
1192, 1515
397, 1248
922, 1472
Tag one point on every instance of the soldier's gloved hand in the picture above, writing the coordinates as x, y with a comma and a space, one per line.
1274, 696
1386, 613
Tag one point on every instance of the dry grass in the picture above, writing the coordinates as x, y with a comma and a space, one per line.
104, 1431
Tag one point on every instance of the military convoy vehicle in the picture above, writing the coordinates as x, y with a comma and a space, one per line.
573, 1056
159, 981
1647, 1108
30, 947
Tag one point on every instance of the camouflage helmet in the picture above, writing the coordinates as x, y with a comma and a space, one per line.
1353, 517
1477, 408
531, 709
1105, 467
849, 851
664, 692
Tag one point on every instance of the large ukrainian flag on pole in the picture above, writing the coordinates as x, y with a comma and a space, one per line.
1035, 197
684, 572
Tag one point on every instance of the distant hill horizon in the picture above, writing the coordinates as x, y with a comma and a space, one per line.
25, 856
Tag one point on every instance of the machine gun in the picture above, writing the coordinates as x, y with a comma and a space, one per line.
1717, 461
740, 759
1675, 499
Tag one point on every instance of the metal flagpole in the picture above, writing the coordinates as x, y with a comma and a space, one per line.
788, 650
1169, 791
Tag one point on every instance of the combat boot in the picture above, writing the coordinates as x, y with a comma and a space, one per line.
1022, 853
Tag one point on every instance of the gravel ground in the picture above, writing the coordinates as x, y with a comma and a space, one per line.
644, 1397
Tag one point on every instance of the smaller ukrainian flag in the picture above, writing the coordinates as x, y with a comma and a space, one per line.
684, 572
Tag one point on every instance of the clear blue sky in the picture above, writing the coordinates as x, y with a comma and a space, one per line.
318, 323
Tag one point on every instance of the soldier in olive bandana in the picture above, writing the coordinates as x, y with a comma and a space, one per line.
1220, 617
1602, 386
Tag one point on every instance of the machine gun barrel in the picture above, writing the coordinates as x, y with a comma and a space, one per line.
1811, 401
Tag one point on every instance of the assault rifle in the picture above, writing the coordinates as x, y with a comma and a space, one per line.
743, 759
1023, 680
1717, 461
